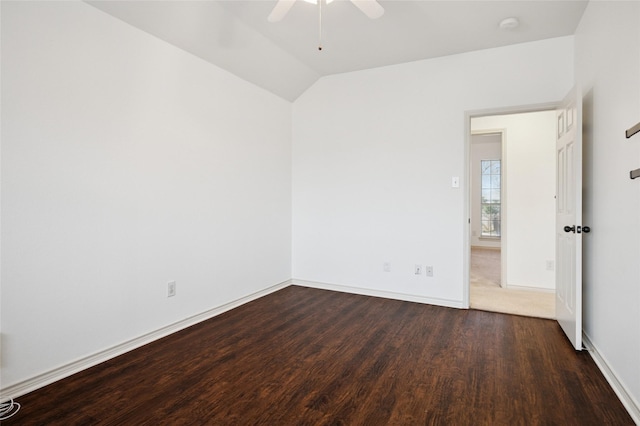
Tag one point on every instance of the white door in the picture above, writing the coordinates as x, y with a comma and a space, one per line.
569, 219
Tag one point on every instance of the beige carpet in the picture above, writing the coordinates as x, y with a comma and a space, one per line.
487, 295
485, 267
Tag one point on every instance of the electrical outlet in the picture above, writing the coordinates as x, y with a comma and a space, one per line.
429, 271
550, 265
417, 270
171, 289
386, 266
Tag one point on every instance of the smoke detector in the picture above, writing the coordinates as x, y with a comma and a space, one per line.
509, 24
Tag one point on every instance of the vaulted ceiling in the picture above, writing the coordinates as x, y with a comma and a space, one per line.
283, 57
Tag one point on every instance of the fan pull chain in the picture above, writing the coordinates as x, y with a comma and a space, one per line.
319, 24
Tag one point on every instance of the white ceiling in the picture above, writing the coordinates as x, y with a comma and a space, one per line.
283, 57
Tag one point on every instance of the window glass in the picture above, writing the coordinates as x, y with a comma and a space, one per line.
490, 198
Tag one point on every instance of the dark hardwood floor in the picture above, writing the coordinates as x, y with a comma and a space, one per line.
303, 356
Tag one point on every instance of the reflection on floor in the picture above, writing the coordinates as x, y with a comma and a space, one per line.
487, 295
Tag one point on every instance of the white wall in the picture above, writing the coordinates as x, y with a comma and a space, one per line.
608, 73
374, 153
128, 163
483, 147
529, 176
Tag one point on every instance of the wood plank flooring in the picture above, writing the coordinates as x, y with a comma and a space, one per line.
304, 356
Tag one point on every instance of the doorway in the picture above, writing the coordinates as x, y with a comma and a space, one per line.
487, 205
512, 212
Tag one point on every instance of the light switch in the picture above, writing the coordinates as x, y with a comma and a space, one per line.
455, 182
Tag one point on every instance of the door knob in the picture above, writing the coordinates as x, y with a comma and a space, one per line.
570, 229
586, 229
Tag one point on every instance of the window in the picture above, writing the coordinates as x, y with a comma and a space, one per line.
490, 190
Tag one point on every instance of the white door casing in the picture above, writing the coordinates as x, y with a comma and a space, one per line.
569, 219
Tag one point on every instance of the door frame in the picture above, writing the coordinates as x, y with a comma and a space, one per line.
466, 224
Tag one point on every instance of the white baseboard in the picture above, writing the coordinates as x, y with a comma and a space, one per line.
41, 380
526, 288
627, 400
379, 293
474, 246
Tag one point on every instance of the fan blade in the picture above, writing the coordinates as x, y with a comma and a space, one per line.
371, 8
280, 10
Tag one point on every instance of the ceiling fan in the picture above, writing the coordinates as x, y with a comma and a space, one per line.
371, 8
